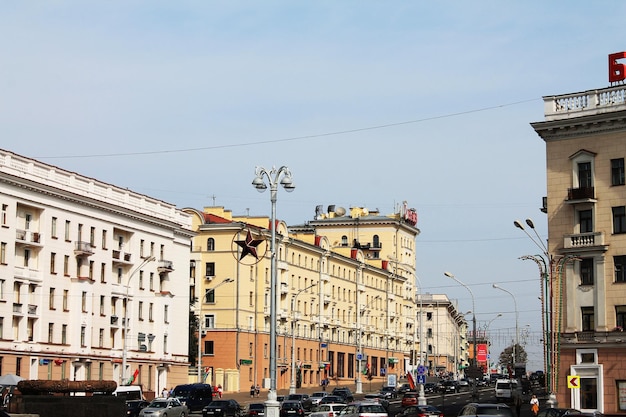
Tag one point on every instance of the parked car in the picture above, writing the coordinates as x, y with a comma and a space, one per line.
409, 398
222, 408
485, 409
280, 398
464, 384
161, 407
344, 392
328, 410
314, 400
389, 392
297, 397
255, 410
363, 409
133, 407
332, 399
290, 408
420, 411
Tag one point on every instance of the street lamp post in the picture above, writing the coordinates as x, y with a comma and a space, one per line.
421, 398
226, 281
124, 345
274, 176
487, 338
550, 270
497, 287
359, 382
292, 387
474, 359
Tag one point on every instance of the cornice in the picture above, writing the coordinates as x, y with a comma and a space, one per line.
569, 128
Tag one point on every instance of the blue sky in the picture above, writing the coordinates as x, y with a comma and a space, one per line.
369, 104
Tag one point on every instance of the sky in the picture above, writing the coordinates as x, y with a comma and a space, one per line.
369, 103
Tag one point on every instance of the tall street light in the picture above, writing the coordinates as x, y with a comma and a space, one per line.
487, 337
497, 287
359, 382
124, 345
550, 270
474, 359
200, 326
274, 176
421, 398
292, 387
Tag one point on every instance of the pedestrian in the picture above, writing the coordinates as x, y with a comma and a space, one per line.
219, 390
257, 390
534, 404
518, 404
252, 390
164, 392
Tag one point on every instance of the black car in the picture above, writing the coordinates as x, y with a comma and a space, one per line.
344, 392
290, 408
389, 392
449, 386
558, 412
255, 410
420, 411
404, 388
430, 387
222, 408
297, 397
133, 407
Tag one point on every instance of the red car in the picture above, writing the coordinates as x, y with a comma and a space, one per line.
409, 398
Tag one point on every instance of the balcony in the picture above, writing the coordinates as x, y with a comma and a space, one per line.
114, 321
120, 257
376, 246
32, 309
28, 238
583, 240
164, 267
583, 194
326, 299
83, 249
325, 277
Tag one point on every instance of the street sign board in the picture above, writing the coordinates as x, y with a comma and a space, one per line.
421, 379
573, 381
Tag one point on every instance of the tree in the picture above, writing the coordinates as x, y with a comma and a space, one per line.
193, 333
506, 357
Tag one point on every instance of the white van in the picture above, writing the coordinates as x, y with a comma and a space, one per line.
505, 389
129, 392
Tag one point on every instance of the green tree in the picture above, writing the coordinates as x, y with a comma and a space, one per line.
506, 359
193, 333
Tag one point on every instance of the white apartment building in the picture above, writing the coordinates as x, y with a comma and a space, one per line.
92, 277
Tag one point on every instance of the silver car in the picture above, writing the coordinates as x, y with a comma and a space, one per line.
164, 407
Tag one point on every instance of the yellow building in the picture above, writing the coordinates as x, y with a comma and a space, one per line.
347, 292
585, 136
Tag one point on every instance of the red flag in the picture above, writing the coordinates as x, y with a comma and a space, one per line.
409, 377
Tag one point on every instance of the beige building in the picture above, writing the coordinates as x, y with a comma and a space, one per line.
585, 136
347, 291
91, 279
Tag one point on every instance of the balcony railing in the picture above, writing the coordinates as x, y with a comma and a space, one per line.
583, 193
26, 236
83, 249
121, 256
165, 266
583, 240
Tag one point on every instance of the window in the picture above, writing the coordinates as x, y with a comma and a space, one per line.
104, 239
51, 299
50, 332
588, 319
66, 265
209, 321
53, 228
586, 271
102, 305
620, 316
65, 300
210, 244
141, 280
53, 261
26, 257
150, 310
142, 244
210, 269
165, 314
83, 301
92, 236
164, 343
344, 240
209, 348
101, 338
619, 219
5, 207
141, 311
3, 253
617, 171
584, 175
619, 265
585, 221
103, 268
588, 393
64, 334
67, 230
83, 331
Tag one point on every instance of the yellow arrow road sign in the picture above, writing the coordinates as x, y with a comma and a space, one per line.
573, 381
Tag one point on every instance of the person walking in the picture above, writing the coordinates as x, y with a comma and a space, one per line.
534, 404
219, 390
252, 390
257, 390
518, 404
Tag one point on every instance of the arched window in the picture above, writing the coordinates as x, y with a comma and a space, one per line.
376, 241
344, 240
210, 244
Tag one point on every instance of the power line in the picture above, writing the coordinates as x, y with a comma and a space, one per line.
291, 139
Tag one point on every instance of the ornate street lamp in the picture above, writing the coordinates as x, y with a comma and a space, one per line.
274, 177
